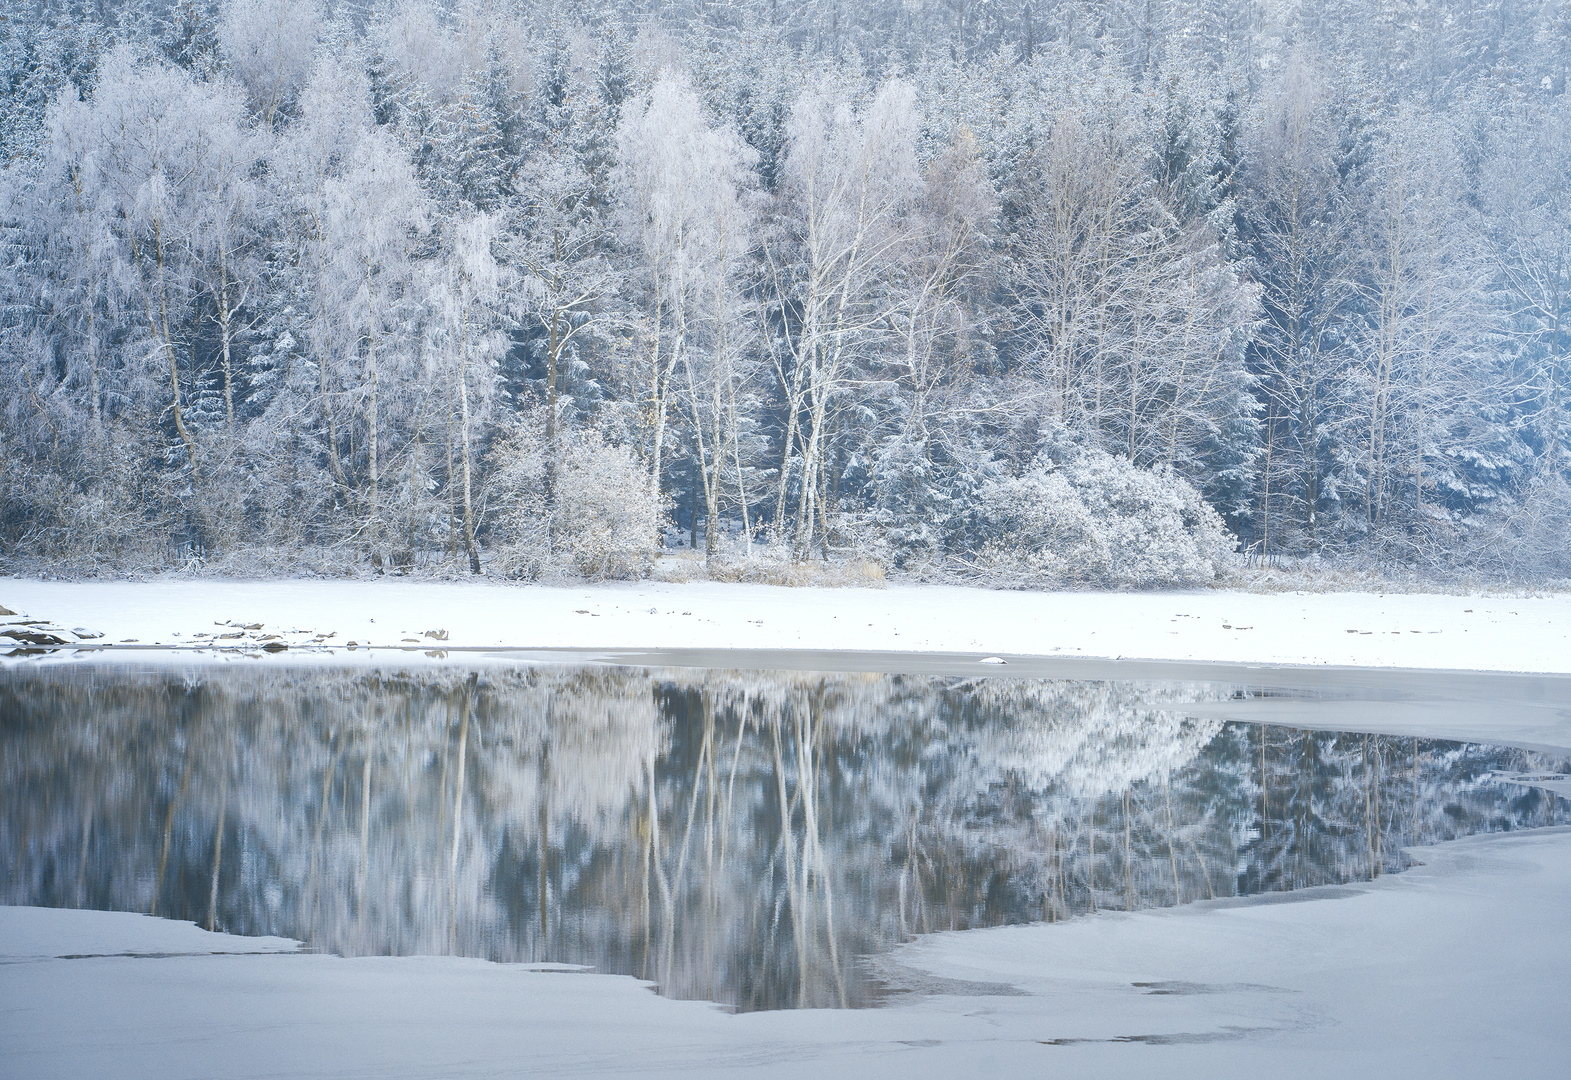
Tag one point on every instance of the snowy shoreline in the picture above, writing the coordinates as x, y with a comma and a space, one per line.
1409, 630
1456, 967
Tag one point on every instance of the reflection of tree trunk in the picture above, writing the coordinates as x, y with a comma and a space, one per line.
363, 880
441, 799
900, 896
809, 749
1091, 861
1372, 805
1059, 853
218, 851
169, 827
1265, 805
1205, 871
1172, 855
1413, 817
711, 892
1049, 911
646, 857
316, 846
788, 847
543, 874
736, 760
81, 866
458, 822
1129, 863
667, 905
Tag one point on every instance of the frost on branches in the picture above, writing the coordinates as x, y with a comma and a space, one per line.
1098, 520
456, 286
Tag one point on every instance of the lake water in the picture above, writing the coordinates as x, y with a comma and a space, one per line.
754, 838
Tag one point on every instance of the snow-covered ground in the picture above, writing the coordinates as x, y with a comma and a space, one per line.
1459, 968
1362, 630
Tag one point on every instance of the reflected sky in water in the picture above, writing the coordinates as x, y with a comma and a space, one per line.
750, 838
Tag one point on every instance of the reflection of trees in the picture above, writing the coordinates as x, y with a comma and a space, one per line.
737, 836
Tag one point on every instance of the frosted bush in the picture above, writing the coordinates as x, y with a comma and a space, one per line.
602, 523
605, 515
1100, 520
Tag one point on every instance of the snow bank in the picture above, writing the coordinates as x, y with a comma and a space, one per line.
1349, 629
42, 933
1459, 968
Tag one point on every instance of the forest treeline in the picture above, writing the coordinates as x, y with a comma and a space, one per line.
1089, 292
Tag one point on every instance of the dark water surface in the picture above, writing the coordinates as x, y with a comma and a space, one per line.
745, 837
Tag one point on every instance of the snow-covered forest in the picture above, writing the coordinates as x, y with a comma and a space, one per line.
1078, 291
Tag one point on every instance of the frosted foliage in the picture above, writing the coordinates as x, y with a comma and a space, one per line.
825, 272
849, 164
146, 143
608, 516
335, 108
679, 179
270, 44
420, 49
1100, 520
1084, 739
578, 748
586, 506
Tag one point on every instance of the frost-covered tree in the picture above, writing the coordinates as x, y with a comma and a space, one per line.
1300, 223
848, 179
467, 310
270, 47
370, 217
840, 272
678, 181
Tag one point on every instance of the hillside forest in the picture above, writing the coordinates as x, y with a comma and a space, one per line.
1087, 292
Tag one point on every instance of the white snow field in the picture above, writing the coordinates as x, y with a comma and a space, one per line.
1457, 968
1353, 629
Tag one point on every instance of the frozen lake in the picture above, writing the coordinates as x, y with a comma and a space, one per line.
758, 836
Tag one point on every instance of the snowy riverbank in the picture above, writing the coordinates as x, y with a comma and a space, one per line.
1343, 629
1457, 968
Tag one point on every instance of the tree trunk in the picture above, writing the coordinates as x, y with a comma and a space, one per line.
162, 329
225, 335
463, 404
373, 466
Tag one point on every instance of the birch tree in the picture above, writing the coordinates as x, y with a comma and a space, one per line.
269, 44
848, 181
370, 217
148, 153
678, 180
467, 303
1422, 290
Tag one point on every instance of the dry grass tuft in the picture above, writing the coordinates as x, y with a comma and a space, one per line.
770, 567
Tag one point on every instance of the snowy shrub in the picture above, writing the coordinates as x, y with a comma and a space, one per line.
605, 514
601, 522
921, 496
1100, 520
1524, 536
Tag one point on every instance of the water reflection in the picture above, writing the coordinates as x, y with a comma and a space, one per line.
740, 837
